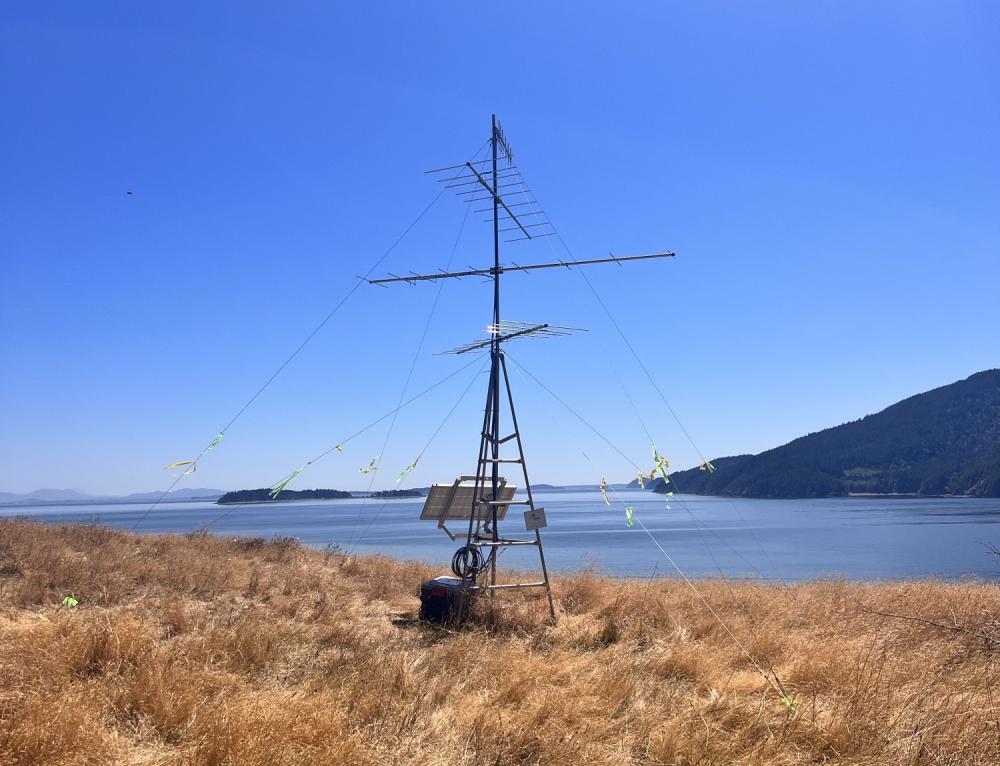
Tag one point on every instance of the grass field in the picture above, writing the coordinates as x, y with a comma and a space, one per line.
198, 650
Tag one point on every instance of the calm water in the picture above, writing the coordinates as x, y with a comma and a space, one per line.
858, 538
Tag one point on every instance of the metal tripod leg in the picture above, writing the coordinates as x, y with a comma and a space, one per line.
527, 485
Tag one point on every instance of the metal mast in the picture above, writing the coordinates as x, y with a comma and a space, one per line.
485, 503
495, 355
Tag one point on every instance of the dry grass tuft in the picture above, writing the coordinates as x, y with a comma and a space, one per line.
203, 651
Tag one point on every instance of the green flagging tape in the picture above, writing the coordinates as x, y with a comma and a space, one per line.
70, 602
406, 471
661, 465
628, 516
276, 489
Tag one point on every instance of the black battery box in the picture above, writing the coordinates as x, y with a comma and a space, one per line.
444, 601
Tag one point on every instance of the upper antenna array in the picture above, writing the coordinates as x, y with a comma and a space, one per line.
472, 186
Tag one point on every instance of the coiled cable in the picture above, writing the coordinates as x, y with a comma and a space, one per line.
468, 562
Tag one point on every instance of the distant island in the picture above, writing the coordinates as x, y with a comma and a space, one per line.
942, 442
263, 495
398, 493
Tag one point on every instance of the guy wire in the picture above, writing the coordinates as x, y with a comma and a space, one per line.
361, 280
409, 376
371, 425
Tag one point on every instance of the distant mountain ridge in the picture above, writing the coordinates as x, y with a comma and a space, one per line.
73, 497
942, 442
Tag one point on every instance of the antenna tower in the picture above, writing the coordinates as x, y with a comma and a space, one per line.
482, 500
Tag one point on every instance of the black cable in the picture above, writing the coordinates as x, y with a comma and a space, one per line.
469, 562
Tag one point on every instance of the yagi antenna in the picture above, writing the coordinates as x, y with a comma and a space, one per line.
481, 501
508, 330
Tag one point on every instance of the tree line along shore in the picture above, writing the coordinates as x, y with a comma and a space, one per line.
266, 495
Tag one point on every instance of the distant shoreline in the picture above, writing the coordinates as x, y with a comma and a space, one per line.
361, 495
108, 501
284, 501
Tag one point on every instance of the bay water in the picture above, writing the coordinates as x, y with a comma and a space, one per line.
772, 540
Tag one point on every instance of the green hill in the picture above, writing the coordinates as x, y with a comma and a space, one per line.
944, 441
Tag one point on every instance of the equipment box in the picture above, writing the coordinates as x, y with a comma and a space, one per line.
443, 601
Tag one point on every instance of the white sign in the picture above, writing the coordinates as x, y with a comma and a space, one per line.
535, 519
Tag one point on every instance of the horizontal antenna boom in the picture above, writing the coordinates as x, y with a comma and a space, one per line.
529, 267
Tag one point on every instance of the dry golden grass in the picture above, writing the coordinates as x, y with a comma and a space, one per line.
201, 651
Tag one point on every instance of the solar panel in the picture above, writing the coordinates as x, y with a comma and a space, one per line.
448, 502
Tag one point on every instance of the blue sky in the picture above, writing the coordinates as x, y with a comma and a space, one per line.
828, 174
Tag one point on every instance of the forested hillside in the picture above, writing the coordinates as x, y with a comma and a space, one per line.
944, 441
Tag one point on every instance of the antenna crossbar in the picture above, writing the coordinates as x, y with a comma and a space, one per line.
490, 196
529, 267
456, 167
464, 179
499, 186
512, 204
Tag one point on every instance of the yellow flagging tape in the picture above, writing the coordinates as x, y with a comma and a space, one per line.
707, 466
604, 490
372, 466
194, 463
